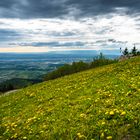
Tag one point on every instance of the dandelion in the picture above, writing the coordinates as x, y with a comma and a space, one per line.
83, 115
24, 138
109, 138
42, 131
123, 113
102, 135
103, 123
80, 135
111, 113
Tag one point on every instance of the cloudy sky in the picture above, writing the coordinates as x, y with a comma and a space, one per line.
50, 25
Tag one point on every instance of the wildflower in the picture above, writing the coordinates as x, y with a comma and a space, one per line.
83, 115
123, 113
96, 100
111, 113
103, 123
109, 138
80, 135
102, 135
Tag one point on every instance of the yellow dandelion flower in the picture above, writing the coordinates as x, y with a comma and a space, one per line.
123, 113
109, 138
24, 138
78, 134
102, 135
103, 123
83, 115
111, 113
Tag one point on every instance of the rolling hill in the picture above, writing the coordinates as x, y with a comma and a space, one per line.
101, 103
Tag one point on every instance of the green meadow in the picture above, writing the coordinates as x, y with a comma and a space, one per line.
98, 104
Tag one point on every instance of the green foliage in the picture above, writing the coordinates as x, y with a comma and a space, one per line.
125, 52
134, 51
101, 103
138, 53
101, 56
6, 87
67, 69
78, 66
16, 83
101, 61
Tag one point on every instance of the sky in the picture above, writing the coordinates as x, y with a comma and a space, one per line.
56, 25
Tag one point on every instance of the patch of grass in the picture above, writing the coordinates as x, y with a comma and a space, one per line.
101, 103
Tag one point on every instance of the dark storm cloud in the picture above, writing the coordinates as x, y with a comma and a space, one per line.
32, 8
7, 3
55, 8
96, 7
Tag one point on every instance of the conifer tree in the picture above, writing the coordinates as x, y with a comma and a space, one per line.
125, 52
134, 51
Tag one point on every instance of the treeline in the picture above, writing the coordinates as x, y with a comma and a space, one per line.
16, 83
78, 66
133, 52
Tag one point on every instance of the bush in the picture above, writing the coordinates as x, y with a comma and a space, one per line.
138, 53
6, 87
16, 83
78, 66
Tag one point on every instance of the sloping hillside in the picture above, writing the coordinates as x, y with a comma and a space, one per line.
102, 103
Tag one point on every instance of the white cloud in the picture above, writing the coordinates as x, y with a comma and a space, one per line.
94, 32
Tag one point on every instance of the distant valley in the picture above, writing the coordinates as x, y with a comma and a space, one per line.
21, 70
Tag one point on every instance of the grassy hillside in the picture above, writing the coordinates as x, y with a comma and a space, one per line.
102, 103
